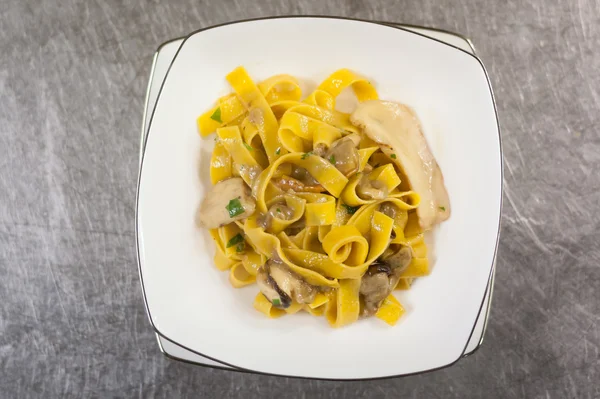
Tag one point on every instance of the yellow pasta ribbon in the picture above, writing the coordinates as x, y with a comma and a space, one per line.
280, 88
344, 306
322, 170
220, 164
270, 246
239, 277
263, 305
342, 78
326, 266
259, 110
231, 138
390, 311
228, 109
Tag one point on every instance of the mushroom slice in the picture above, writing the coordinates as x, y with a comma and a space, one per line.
228, 200
399, 261
291, 284
398, 131
375, 287
368, 189
271, 290
344, 155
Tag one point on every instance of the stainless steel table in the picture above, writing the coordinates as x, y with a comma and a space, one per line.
73, 76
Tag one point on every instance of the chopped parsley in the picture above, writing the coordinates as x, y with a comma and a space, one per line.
276, 302
350, 209
278, 210
216, 116
393, 156
306, 154
235, 208
443, 208
250, 148
235, 240
332, 159
278, 151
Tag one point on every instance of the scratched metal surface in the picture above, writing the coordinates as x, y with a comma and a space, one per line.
72, 81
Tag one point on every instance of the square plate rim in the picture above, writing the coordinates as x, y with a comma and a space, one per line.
382, 23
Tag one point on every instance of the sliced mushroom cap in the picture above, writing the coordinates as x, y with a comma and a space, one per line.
398, 131
228, 200
344, 156
304, 176
368, 189
374, 288
400, 260
271, 290
291, 284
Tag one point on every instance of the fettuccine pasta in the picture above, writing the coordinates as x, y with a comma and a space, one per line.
311, 205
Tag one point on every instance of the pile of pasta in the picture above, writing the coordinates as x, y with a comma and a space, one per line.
265, 129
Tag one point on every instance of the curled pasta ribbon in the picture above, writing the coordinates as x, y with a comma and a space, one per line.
270, 246
342, 78
385, 174
298, 206
320, 209
286, 241
346, 244
280, 88
320, 98
220, 164
297, 132
326, 266
239, 276
260, 112
229, 108
390, 310
322, 170
364, 155
344, 305
332, 117
263, 305
362, 218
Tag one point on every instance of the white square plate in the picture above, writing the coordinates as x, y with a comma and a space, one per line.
450, 92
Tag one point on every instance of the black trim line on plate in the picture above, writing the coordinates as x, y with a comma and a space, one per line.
492, 268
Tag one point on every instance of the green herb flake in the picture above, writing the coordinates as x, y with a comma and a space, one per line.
332, 159
278, 210
443, 208
350, 209
235, 240
216, 116
248, 147
276, 302
306, 154
278, 151
235, 208
393, 156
